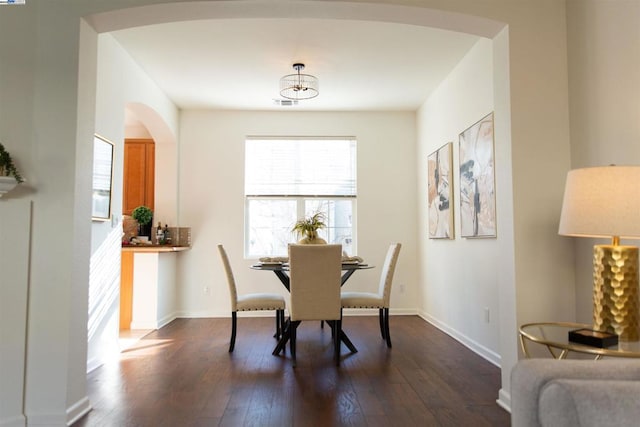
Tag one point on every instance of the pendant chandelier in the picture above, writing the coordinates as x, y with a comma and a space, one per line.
299, 86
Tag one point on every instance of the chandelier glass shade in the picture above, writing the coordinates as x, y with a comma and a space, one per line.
299, 86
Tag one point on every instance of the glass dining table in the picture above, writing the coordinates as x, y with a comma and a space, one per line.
281, 270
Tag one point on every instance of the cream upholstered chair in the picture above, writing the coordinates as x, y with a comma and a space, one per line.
381, 299
315, 273
250, 302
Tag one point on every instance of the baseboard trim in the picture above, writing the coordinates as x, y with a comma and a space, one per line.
17, 421
472, 345
167, 319
375, 312
346, 312
47, 420
78, 410
504, 400
94, 363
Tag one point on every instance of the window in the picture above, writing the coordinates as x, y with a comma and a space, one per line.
287, 179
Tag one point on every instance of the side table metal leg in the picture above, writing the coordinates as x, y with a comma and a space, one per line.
523, 345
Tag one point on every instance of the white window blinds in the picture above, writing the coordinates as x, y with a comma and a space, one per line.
310, 167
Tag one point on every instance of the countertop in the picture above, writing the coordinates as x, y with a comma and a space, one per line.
154, 248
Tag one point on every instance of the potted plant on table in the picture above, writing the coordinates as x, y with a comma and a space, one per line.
143, 215
9, 175
308, 229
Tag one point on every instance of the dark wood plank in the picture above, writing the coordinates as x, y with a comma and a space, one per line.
183, 375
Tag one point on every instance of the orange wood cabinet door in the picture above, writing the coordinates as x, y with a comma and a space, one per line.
126, 290
139, 174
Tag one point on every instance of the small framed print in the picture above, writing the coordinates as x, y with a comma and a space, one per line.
440, 192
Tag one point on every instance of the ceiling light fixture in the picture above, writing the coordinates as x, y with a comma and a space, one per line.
299, 86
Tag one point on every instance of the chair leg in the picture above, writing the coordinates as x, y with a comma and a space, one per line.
292, 340
336, 340
234, 324
286, 336
386, 326
278, 326
281, 321
381, 318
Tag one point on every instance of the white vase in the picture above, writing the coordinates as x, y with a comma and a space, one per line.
7, 183
312, 240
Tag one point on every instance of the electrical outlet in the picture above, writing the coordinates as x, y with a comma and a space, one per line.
206, 290
402, 289
487, 315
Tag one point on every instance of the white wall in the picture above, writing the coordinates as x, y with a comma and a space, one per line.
47, 84
123, 85
120, 82
604, 77
212, 202
458, 278
14, 287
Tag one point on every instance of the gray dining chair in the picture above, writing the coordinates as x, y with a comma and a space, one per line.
250, 302
315, 274
381, 299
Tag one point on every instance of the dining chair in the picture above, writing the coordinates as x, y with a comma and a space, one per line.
378, 300
315, 274
250, 302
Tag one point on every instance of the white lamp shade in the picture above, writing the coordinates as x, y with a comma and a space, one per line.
602, 202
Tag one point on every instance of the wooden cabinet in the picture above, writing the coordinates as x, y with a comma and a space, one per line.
126, 290
139, 174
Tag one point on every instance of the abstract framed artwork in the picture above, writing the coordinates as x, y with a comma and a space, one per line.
440, 189
102, 178
477, 180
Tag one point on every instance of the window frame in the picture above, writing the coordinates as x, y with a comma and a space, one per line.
301, 200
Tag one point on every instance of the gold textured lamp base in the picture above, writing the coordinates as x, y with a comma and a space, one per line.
615, 290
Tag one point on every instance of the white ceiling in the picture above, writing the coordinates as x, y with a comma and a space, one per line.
237, 63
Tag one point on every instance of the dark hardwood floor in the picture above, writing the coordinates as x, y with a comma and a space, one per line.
183, 375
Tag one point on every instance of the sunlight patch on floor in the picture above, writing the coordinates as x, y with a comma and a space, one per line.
129, 338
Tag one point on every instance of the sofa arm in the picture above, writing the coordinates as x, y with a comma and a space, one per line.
529, 376
590, 403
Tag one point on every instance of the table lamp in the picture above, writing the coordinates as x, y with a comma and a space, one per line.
605, 202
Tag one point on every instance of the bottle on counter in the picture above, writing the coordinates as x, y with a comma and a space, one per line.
167, 236
160, 235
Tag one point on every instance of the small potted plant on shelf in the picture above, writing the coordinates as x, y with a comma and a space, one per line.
143, 215
308, 228
9, 175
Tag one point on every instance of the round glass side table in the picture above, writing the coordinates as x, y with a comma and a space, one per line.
555, 336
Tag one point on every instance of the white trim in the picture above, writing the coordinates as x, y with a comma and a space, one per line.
77, 410
374, 312
472, 345
504, 400
17, 421
167, 319
266, 313
144, 325
482, 351
47, 420
94, 363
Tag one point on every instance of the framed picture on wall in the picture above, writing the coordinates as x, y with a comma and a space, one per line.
477, 180
440, 192
102, 178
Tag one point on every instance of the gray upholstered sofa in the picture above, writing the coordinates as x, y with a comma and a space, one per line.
549, 392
